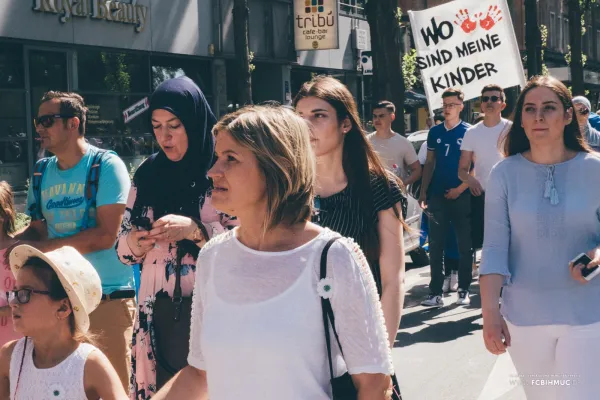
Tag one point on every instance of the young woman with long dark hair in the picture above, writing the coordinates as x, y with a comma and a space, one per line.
355, 195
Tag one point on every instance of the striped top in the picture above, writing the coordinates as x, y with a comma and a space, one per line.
343, 212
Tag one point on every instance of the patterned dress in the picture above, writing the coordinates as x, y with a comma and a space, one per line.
158, 275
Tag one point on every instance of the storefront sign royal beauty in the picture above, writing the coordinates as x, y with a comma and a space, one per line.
125, 12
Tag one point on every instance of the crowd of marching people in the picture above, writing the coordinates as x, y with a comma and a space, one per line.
270, 245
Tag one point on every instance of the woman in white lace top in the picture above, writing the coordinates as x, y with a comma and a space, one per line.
257, 327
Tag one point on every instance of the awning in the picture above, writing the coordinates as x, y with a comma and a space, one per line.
414, 99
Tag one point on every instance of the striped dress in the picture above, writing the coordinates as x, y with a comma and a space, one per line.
343, 212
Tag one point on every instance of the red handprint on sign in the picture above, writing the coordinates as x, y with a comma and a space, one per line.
492, 17
465, 22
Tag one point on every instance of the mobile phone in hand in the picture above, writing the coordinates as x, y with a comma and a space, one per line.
588, 273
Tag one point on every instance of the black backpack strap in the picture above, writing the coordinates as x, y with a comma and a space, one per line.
326, 308
35, 209
91, 186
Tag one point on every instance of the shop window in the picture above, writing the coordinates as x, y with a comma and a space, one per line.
106, 128
353, 7
597, 44
14, 151
101, 71
553, 31
12, 115
566, 35
13, 133
11, 66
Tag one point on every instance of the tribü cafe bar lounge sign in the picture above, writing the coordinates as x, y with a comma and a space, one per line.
316, 25
125, 12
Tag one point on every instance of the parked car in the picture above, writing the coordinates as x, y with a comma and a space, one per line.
412, 238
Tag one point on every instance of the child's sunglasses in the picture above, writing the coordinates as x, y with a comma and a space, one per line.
23, 295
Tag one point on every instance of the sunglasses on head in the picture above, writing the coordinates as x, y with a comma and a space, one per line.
583, 111
23, 296
48, 120
494, 99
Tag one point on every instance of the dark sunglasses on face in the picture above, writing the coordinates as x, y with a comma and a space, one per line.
48, 120
23, 295
583, 111
494, 99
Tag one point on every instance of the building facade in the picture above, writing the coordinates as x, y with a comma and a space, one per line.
116, 53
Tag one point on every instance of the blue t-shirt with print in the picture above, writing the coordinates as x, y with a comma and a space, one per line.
63, 206
446, 144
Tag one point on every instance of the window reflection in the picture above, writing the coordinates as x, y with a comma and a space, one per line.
11, 66
102, 71
105, 116
13, 152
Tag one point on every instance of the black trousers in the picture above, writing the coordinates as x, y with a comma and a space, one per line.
458, 212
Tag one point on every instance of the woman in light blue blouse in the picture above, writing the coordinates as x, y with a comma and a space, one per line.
542, 210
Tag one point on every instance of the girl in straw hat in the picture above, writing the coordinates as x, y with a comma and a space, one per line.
54, 295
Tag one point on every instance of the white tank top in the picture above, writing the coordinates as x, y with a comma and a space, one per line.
64, 381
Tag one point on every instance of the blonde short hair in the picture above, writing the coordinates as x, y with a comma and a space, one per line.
280, 141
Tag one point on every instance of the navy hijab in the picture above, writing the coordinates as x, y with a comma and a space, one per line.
178, 187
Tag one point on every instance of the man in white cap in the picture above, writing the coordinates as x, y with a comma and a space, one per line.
583, 109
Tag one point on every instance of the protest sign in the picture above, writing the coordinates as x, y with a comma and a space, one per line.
316, 24
466, 44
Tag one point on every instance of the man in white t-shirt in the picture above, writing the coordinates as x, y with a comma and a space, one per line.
395, 151
481, 144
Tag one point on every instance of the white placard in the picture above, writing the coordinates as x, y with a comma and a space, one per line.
136, 109
316, 25
361, 39
466, 44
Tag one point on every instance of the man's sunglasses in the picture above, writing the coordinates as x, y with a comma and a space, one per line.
23, 295
583, 111
494, 99
48, 120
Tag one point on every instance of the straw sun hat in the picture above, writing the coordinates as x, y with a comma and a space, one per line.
77, 276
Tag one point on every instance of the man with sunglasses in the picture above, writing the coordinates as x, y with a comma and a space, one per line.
481, 147
583, 111
445, 196
70, 207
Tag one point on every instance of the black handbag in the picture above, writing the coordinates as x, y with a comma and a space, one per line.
342, 387
171, 320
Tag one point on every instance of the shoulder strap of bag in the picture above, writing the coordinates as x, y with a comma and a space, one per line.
21, 367
35, 210
326, 308
91, 186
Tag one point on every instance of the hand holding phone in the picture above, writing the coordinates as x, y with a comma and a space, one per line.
587, 273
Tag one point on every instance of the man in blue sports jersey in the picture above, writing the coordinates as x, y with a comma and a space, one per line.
447, 199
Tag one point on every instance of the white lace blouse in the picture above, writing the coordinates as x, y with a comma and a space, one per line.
257, 327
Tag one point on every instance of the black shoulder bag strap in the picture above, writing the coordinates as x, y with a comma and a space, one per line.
326, 307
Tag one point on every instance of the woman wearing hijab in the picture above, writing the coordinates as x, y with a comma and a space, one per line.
169, 217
